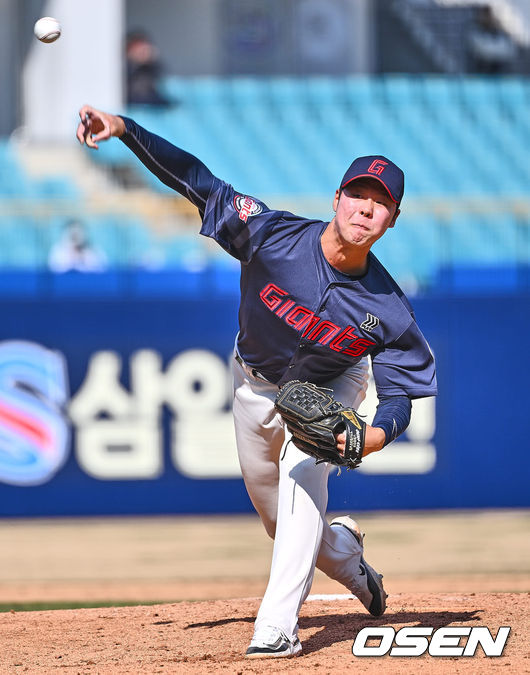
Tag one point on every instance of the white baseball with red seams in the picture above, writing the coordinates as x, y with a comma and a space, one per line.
47, 29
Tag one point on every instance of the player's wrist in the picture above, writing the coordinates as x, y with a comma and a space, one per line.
118, 127
374, 440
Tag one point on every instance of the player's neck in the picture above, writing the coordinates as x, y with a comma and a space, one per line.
345, 257
347, 266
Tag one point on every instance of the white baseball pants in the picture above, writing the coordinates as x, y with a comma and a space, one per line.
290, 493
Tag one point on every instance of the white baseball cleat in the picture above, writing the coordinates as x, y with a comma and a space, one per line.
367, 584
270, 642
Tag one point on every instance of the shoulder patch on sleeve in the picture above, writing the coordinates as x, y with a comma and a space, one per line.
246, 207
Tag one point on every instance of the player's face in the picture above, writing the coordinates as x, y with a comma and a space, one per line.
363, 212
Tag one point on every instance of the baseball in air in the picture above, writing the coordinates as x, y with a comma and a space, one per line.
47, 29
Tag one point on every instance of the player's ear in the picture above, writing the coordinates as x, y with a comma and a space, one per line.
336, 199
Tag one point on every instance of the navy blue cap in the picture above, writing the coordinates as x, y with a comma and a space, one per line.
380, 168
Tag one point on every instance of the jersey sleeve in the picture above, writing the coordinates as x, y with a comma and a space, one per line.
239, 223
405, 366
178, 169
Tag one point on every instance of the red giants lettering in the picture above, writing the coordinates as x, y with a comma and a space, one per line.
343, 340
299, 317
324, 331
271, 296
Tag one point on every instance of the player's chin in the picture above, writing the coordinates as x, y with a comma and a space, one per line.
359, 235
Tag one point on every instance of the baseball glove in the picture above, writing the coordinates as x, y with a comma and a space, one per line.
314, 418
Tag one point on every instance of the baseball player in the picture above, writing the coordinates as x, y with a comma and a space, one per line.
315, 305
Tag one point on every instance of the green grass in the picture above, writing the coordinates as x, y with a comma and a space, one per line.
48, 606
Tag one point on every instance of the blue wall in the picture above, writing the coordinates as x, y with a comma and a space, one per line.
481, 437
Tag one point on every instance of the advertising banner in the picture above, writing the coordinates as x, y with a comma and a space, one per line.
122, 406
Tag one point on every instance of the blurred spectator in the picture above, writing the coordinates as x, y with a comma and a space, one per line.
144, 70
491, 49
74, 251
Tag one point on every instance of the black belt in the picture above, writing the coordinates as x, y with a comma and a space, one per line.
255, 373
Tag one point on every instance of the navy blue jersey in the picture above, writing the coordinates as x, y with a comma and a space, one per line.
299, 317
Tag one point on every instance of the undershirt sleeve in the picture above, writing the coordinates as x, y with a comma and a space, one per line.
393, 416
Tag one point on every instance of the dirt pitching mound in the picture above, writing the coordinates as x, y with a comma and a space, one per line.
211, 637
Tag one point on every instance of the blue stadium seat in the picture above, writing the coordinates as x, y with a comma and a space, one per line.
459, 141
288, 135
20, 243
